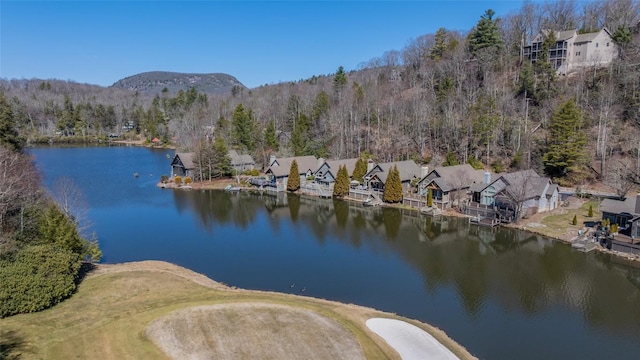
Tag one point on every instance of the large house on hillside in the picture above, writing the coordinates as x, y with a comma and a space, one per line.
573, 50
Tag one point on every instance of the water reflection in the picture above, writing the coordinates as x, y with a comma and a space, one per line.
520, 271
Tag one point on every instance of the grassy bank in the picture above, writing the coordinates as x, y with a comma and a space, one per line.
109, 317
558, 224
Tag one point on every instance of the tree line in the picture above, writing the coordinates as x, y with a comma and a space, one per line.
445, 98
41, 245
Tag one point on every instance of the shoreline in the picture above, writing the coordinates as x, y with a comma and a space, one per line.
359, 314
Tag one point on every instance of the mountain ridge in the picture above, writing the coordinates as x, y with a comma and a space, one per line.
154, 82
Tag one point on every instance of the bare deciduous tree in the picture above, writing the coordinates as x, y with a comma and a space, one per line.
19, 188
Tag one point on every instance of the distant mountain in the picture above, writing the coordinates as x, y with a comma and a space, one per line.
154, 82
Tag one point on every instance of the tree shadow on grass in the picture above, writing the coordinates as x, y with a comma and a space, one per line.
12, 345
85, 269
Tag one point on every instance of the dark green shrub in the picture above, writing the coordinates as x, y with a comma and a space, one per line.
37, 277
475, 163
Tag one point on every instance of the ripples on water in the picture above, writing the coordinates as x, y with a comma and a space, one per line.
502, 293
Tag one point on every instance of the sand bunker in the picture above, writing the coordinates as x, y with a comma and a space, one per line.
409, 341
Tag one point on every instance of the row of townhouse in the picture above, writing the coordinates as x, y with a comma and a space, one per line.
474, 192
463, 187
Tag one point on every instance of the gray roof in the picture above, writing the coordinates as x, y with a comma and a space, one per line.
457, 177
586, 37
305, 163
630, 205
527, 180
186, 159
560, 35
408, 170
240, 159
334, 165
565, 35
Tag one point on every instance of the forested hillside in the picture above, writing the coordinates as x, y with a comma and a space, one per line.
444, 98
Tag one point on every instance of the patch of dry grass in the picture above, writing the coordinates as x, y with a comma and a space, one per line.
277, 332
559, 223
109, 316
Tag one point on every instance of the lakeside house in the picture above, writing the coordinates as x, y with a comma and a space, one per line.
449, 184
524, 191
278, 171
573, 50
241, 162
377, 176
327, 172
625, 213
182, 165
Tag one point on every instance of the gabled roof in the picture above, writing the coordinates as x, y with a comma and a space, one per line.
185, 158
629, 205
457, 176
334, 165
408, 170
528, 181
238, 159
560, 35
283, 165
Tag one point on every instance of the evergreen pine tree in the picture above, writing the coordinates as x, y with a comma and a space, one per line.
565, 152
360, 170
544, 70
486, 33
298, 142
440, 46
244, 127
222, 162
293, 183
8, 134
575, 220
590, 210
393, 187
429, 198
341, 187
270, 137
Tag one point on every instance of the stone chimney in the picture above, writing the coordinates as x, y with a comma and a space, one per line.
370, 165
486, 179
638, 204
272, 159
424, 171
320, 162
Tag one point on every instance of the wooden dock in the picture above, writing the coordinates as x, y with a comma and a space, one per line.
484, 221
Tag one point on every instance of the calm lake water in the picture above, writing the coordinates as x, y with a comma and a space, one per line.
503, 294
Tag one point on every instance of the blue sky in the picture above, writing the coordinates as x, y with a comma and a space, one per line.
259, 43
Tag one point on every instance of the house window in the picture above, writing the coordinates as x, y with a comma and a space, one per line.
597, 44
577, 53
607, 44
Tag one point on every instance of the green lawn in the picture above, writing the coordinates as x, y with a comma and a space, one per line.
560, 225
108, 316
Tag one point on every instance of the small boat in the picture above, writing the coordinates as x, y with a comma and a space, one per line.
369, 202
232, 188
135, 174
